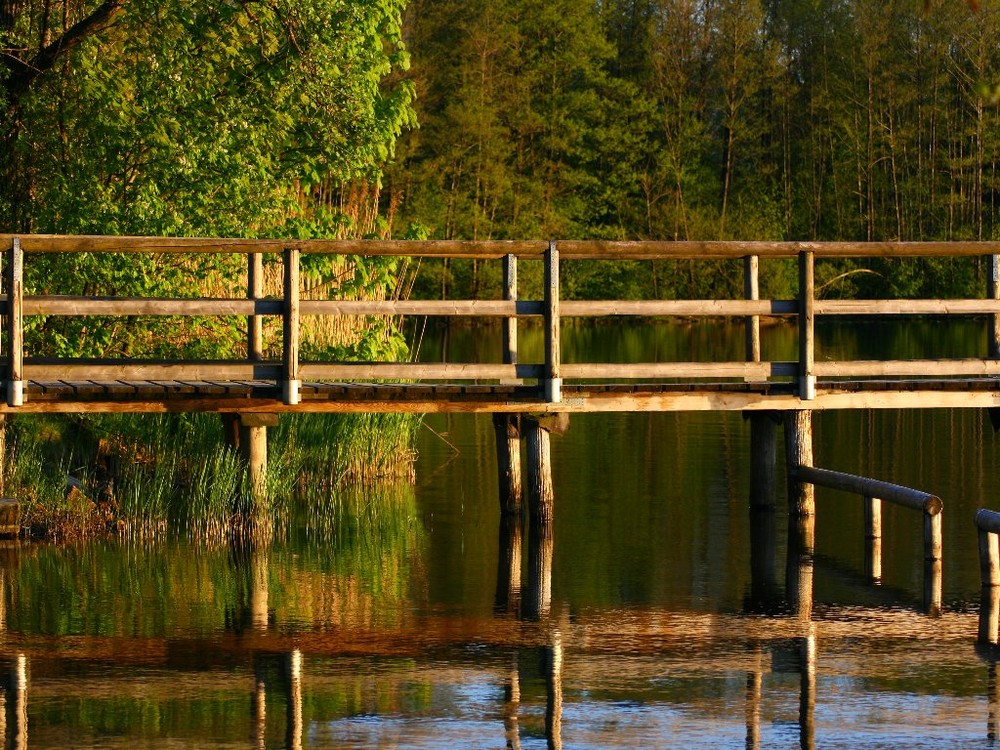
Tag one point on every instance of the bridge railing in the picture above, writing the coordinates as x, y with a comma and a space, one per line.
290, 370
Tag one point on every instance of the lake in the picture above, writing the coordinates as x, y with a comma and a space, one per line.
384, 620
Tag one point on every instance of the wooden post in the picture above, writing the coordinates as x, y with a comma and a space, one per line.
763, 439
255, 291
552, 379
3, 453
873, 539
751, 290
510, 324
993, 292
799, 452
506, 427
292, 384
15, 325
253, 449
230, 429
989, 614
933, 544
541, 497
763, 532
807, 322
989, 558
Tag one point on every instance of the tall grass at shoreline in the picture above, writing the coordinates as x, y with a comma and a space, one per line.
144, 475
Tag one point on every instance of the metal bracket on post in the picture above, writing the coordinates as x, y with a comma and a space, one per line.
807, 324
290, 391
552, 380
15, 324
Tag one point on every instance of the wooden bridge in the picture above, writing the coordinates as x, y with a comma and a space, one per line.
505, 384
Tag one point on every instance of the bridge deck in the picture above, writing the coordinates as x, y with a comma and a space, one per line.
266, 396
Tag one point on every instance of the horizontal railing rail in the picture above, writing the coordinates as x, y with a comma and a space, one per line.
800, 375
873, 493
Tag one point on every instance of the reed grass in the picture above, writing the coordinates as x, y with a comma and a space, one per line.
142, 475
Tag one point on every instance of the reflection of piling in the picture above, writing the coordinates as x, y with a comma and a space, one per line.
259, 708
538, 588
755, 682
799, 570
19, 680
508, 445
294, 698
511, 705
873, 539
807, 693
508, 593
553, 656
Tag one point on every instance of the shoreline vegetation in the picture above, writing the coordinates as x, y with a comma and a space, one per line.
144, 476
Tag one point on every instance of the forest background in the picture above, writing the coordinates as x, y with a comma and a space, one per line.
704, 120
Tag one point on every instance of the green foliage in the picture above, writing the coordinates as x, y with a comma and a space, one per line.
688, 119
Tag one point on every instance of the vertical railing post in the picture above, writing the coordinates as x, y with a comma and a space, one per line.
255, 291
292, 384
751, 291
15, 324
510, 324
552, 383
993, 293
807, 322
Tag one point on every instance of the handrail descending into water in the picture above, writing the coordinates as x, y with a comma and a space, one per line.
751, 383
874, 491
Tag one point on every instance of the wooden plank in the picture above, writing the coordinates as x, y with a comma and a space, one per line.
907, 307
623, 371
66, 305
928, 368
416, 371
679, 308
148, 370
40, 243
441, 308
866, 487
496, 249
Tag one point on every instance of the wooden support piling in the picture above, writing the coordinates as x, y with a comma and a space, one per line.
507, 430
763, 441
763, 531
799, 453
541, 497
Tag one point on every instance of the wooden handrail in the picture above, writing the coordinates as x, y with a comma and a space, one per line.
551, 371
